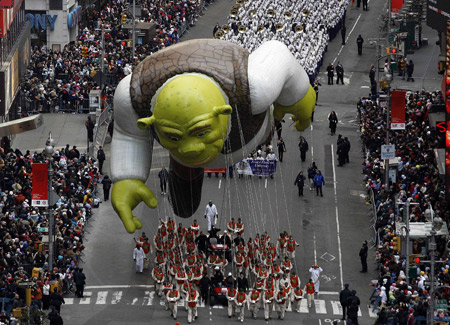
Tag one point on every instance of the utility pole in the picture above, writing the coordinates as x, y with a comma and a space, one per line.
133, 49
49, 149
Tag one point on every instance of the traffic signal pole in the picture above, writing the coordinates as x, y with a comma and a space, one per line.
133, 45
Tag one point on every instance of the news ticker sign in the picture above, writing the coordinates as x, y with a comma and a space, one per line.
39, 192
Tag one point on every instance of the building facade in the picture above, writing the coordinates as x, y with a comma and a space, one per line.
15, 55
53, 23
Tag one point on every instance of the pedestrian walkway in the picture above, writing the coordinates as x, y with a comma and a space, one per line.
146, 296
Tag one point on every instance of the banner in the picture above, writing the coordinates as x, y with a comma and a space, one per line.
215, 170
396, 5
398, 110
39, 193
257, 167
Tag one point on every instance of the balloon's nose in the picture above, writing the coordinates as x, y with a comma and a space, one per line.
191, 149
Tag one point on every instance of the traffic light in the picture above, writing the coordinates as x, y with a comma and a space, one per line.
84, 51
403, 64
397, 243
123, 19
391, 50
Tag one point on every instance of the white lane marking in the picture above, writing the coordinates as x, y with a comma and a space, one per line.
265, 184
148, 299
359, 312
365, 87
134, 301
86, 300
337, 308
315, 252
69, 301
354, 25
217, 307
116, 297
101, 297
338, 235
124, 286
304, 306
329, 292
320, 306
220, 183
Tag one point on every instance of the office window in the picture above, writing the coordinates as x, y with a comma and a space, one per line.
56, 5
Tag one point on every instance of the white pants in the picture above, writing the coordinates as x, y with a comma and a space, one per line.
268, 308
173, 306
281, 308
192, 313
310, 299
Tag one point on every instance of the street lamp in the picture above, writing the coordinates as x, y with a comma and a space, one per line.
436, 225
49, 149
388, 79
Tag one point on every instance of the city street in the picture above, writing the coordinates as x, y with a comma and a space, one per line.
329, 229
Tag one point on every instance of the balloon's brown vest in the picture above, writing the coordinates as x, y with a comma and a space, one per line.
225, 62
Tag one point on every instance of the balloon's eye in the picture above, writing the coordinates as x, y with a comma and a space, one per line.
202, 133
174, 138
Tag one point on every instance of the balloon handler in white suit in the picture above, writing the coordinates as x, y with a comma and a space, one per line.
209, 103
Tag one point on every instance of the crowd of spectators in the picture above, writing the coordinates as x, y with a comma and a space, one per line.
417, 180
62, 80
304, 26
23, 227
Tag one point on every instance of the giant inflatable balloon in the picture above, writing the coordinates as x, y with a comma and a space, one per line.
209, 103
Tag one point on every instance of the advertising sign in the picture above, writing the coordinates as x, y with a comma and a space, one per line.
396, 5
6, 4
7, 15
398, 110
39, 193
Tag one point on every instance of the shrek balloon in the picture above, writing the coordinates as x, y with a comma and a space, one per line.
209, 103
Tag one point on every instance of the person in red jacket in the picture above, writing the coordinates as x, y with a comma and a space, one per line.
241, 300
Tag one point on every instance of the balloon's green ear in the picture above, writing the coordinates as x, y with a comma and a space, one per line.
146, 122
222, 110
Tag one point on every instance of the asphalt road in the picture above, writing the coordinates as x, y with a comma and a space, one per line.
330, 229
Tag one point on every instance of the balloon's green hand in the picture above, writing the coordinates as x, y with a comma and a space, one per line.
301, 111
126, 195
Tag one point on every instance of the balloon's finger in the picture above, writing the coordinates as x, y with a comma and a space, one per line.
301, 125
148, 197
137, 222
124, 212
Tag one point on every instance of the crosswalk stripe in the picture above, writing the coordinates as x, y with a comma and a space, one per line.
87, 299
337, 308
148, 299
320, 306
101, 297
304, 306
116, 297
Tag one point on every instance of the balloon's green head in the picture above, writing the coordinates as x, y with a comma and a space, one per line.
190, 117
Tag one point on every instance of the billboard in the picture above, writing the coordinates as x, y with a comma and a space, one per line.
447, 113
438, 12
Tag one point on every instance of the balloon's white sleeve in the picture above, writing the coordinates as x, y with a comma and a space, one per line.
275, 76
131, 147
